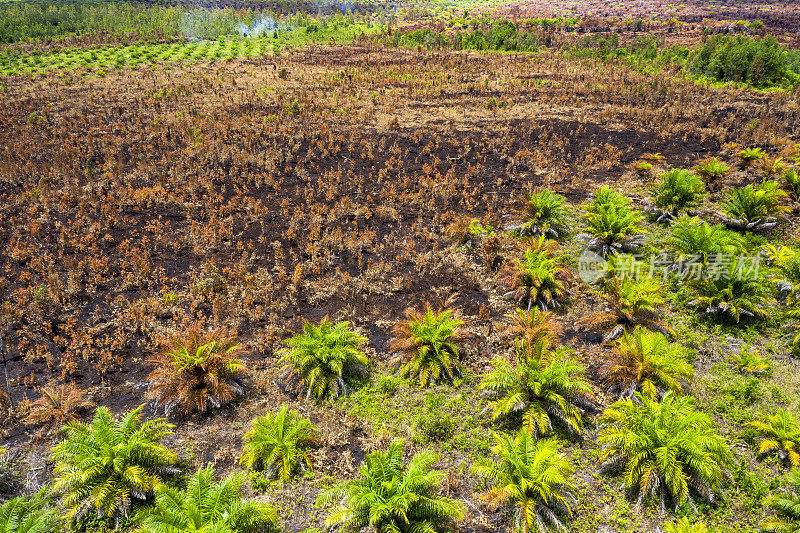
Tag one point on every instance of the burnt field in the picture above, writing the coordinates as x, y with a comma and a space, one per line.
258, 194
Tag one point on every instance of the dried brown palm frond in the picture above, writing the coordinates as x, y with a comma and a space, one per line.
197, 371
533, 326
57, 406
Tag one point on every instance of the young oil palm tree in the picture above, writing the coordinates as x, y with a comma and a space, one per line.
646, 362
279, 444
780, 434
750, 155
605, 196
712, 170
197, 371
533, 475
543, 213
426, 345
28, 515
691, 236
612, 229
739, 290
791, 183
108, 464
665, 450
543, 388
325, 361
786, 507
680, 190
389, 498
57, 406
630, 303
538, 280
533, 325
754, 208
207, 506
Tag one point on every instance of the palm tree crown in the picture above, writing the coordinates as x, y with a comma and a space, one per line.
425, 345
278, 443
324, 361
646, 362
545, 386
390, 498
207, 506
780, 434
534, 476
105, 465
198, 370
665, 450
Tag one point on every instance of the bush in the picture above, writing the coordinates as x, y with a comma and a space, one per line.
761, 62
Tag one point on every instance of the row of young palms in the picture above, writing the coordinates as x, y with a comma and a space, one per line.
665, 450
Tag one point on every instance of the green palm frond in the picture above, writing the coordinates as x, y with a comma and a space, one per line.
28, 515
325, 361
664, 450
279, 444
786, 507
543, 389
108, 464
780, 434
209, 506
391, 498
533, 475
